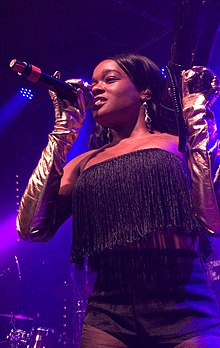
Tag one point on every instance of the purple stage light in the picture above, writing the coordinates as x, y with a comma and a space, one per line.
8, 234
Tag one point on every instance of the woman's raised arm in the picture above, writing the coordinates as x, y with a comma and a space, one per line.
200, 88
42, 208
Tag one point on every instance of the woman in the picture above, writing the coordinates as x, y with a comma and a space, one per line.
132, 210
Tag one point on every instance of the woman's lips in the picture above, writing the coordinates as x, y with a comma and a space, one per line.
98, 102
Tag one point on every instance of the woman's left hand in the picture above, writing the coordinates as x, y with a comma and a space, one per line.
200, 81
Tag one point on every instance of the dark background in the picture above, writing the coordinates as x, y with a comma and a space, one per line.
70, 36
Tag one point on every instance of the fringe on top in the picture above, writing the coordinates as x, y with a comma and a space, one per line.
129, 197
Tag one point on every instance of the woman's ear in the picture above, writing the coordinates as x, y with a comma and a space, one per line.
146, 94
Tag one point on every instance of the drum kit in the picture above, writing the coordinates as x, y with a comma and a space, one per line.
35, 338
18, 330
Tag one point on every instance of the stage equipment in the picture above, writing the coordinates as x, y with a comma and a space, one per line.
63, 89
195, 27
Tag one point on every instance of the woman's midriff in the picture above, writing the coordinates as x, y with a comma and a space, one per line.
164, 241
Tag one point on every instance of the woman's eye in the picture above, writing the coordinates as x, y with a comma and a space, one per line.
111, 79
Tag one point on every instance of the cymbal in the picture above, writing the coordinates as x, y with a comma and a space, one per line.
16, 316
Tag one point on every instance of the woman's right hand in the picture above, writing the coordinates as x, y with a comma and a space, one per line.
68, 118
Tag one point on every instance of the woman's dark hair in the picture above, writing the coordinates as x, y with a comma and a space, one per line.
143, 73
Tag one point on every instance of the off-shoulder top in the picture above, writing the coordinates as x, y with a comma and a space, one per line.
129, 197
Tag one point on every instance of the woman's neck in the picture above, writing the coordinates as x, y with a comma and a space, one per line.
132, 132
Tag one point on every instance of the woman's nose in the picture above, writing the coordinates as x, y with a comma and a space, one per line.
98, 89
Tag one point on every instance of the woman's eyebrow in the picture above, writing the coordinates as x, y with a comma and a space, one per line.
106, 72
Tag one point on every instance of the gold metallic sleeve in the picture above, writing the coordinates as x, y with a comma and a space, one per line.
202, 157
42, 210
37, 218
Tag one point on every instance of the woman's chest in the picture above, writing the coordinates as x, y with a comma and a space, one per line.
128, 147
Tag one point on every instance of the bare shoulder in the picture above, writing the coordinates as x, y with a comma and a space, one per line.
169, 143
72, 171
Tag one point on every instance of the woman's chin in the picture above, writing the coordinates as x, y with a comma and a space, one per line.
100, 117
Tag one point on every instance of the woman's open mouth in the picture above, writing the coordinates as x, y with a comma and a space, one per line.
99, 102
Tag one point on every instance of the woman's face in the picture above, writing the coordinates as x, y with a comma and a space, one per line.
117, 100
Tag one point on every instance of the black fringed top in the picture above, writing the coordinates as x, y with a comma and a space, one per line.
127, 198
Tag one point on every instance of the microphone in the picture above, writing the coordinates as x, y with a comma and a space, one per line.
63, 89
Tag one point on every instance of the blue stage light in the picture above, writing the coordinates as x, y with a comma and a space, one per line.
163, 72
26, 93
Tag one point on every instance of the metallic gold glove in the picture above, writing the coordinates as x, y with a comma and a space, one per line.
200, 89
39, 214
68, 118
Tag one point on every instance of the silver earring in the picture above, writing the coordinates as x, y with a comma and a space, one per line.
147, 118
109, 135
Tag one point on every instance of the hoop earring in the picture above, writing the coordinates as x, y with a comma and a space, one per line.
147, 118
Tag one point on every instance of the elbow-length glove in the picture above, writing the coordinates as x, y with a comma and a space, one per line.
200, 88
38, 215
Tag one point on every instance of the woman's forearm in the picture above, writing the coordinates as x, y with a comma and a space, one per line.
42, 209
202, 152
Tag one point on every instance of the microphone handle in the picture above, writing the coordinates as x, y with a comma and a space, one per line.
63, 89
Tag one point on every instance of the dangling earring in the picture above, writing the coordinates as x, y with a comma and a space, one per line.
147, 118
109, 135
